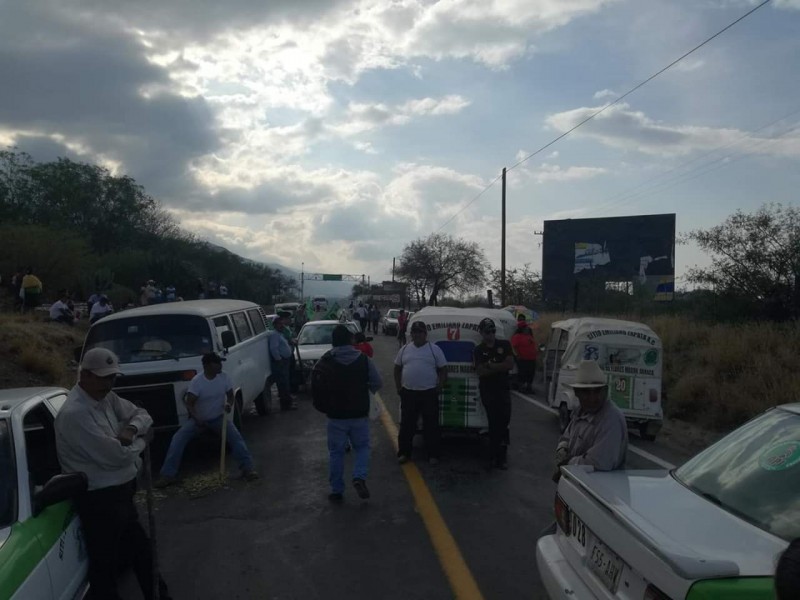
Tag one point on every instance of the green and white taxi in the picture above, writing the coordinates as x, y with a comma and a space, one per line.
42, 551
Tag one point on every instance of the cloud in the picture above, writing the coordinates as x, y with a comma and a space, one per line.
363, 117
604, 94
546, 173
627, 129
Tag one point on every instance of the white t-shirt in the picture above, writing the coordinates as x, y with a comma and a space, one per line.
100, 310
419, 365
210, 395
57, 309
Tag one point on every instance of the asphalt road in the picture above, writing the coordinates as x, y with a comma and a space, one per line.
279, 538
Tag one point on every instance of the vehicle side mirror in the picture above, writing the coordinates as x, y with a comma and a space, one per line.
76, 353
59, 488
228, 340
542, 347
369, 339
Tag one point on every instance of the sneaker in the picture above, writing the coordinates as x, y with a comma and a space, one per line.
335, 497
165, 481
250, 475
361, 488
402, 459
433, 461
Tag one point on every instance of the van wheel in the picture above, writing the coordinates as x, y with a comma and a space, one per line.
262, 408
563, 416
643, 433
237, 412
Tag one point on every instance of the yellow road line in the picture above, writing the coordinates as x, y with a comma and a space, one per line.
455, 567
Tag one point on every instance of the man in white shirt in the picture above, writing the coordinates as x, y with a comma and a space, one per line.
420, 370
210, 394
60, 310
100, 309
102, 435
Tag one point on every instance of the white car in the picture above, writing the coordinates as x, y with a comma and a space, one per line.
314, 340
42, 550
389, 321
711, 529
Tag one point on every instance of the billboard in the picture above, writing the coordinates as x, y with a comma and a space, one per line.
633, 252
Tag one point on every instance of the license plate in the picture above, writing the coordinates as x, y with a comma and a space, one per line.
578, 530
605, 564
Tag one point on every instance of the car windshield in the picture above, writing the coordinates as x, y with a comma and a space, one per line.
319, 333
8, 476
152, 337
754, 473
392, 314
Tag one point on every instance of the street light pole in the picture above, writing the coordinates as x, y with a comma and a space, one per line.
302, 280
503, 247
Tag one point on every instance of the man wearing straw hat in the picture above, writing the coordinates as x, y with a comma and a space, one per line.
597, 434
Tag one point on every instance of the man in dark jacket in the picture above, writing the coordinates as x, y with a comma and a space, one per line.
353, 378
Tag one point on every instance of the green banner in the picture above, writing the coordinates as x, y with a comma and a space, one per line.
329, 277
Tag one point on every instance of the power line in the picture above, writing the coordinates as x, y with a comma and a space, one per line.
598, 112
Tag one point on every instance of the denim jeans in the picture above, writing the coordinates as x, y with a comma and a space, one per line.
191, 430
339, 430
280, 375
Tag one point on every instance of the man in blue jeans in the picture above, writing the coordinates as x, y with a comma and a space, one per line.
280, 356
353, 378
210, 394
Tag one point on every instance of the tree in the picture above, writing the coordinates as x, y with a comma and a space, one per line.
755, 257
523, 286
439, 264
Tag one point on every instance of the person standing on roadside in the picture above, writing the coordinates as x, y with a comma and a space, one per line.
362, 345
280, 354
493, 359
102, 435
525, 353
349, 384
375, 316
597, 435
31, 290
420, 371
402, 324
210, 395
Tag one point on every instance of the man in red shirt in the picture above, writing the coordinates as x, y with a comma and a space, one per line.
525, 353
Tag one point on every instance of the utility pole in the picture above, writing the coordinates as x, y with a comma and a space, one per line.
503, 247
302, 280
393, 259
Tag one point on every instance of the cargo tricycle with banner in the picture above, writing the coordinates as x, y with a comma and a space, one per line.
631, 355
455, 331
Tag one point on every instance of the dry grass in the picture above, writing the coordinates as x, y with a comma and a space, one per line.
718, 376
35, 352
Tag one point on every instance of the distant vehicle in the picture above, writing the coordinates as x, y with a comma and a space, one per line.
160, 348
315, 339
631, 355
388, 322
42, 548
712, 528
320, 304
286, 307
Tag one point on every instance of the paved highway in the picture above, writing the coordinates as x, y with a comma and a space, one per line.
455, 530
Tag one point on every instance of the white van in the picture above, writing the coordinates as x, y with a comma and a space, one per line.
455, 331
320, 304
160, 348
631, 355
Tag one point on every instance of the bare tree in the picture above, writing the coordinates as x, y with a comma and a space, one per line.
440, 263
523, 286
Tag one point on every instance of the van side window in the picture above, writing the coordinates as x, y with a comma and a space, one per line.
221, 324
241, 326
40, 445
257, 320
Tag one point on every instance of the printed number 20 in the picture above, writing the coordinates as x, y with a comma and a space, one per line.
621, 384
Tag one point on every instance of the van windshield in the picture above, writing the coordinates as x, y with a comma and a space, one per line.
152, 337
8, 476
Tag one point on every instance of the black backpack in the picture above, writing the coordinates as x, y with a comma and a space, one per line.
323, 382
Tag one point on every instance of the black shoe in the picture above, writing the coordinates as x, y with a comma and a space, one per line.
361, 488
335, 498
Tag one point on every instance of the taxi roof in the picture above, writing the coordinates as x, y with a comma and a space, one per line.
13, 397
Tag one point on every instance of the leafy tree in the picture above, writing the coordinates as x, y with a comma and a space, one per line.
440, 263
755, 257
523, 286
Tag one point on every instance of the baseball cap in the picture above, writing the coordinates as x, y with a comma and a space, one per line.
418, 326
212, 357
341, 336
101, 361
486, 324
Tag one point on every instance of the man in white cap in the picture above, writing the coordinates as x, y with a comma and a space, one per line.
597, 434
102, 435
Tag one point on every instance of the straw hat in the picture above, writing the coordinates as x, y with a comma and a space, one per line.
589, 375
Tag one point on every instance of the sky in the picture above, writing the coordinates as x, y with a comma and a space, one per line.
331, 133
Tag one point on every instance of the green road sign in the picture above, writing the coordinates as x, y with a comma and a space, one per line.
329, 277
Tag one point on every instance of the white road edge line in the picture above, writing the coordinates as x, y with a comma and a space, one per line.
643, 453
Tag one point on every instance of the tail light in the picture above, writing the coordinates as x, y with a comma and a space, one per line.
188, 375
653, 395
562, 515
653, 593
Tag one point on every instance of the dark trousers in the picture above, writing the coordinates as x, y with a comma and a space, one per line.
280, 375
412, 404
114, 538
526, 369
497, 402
